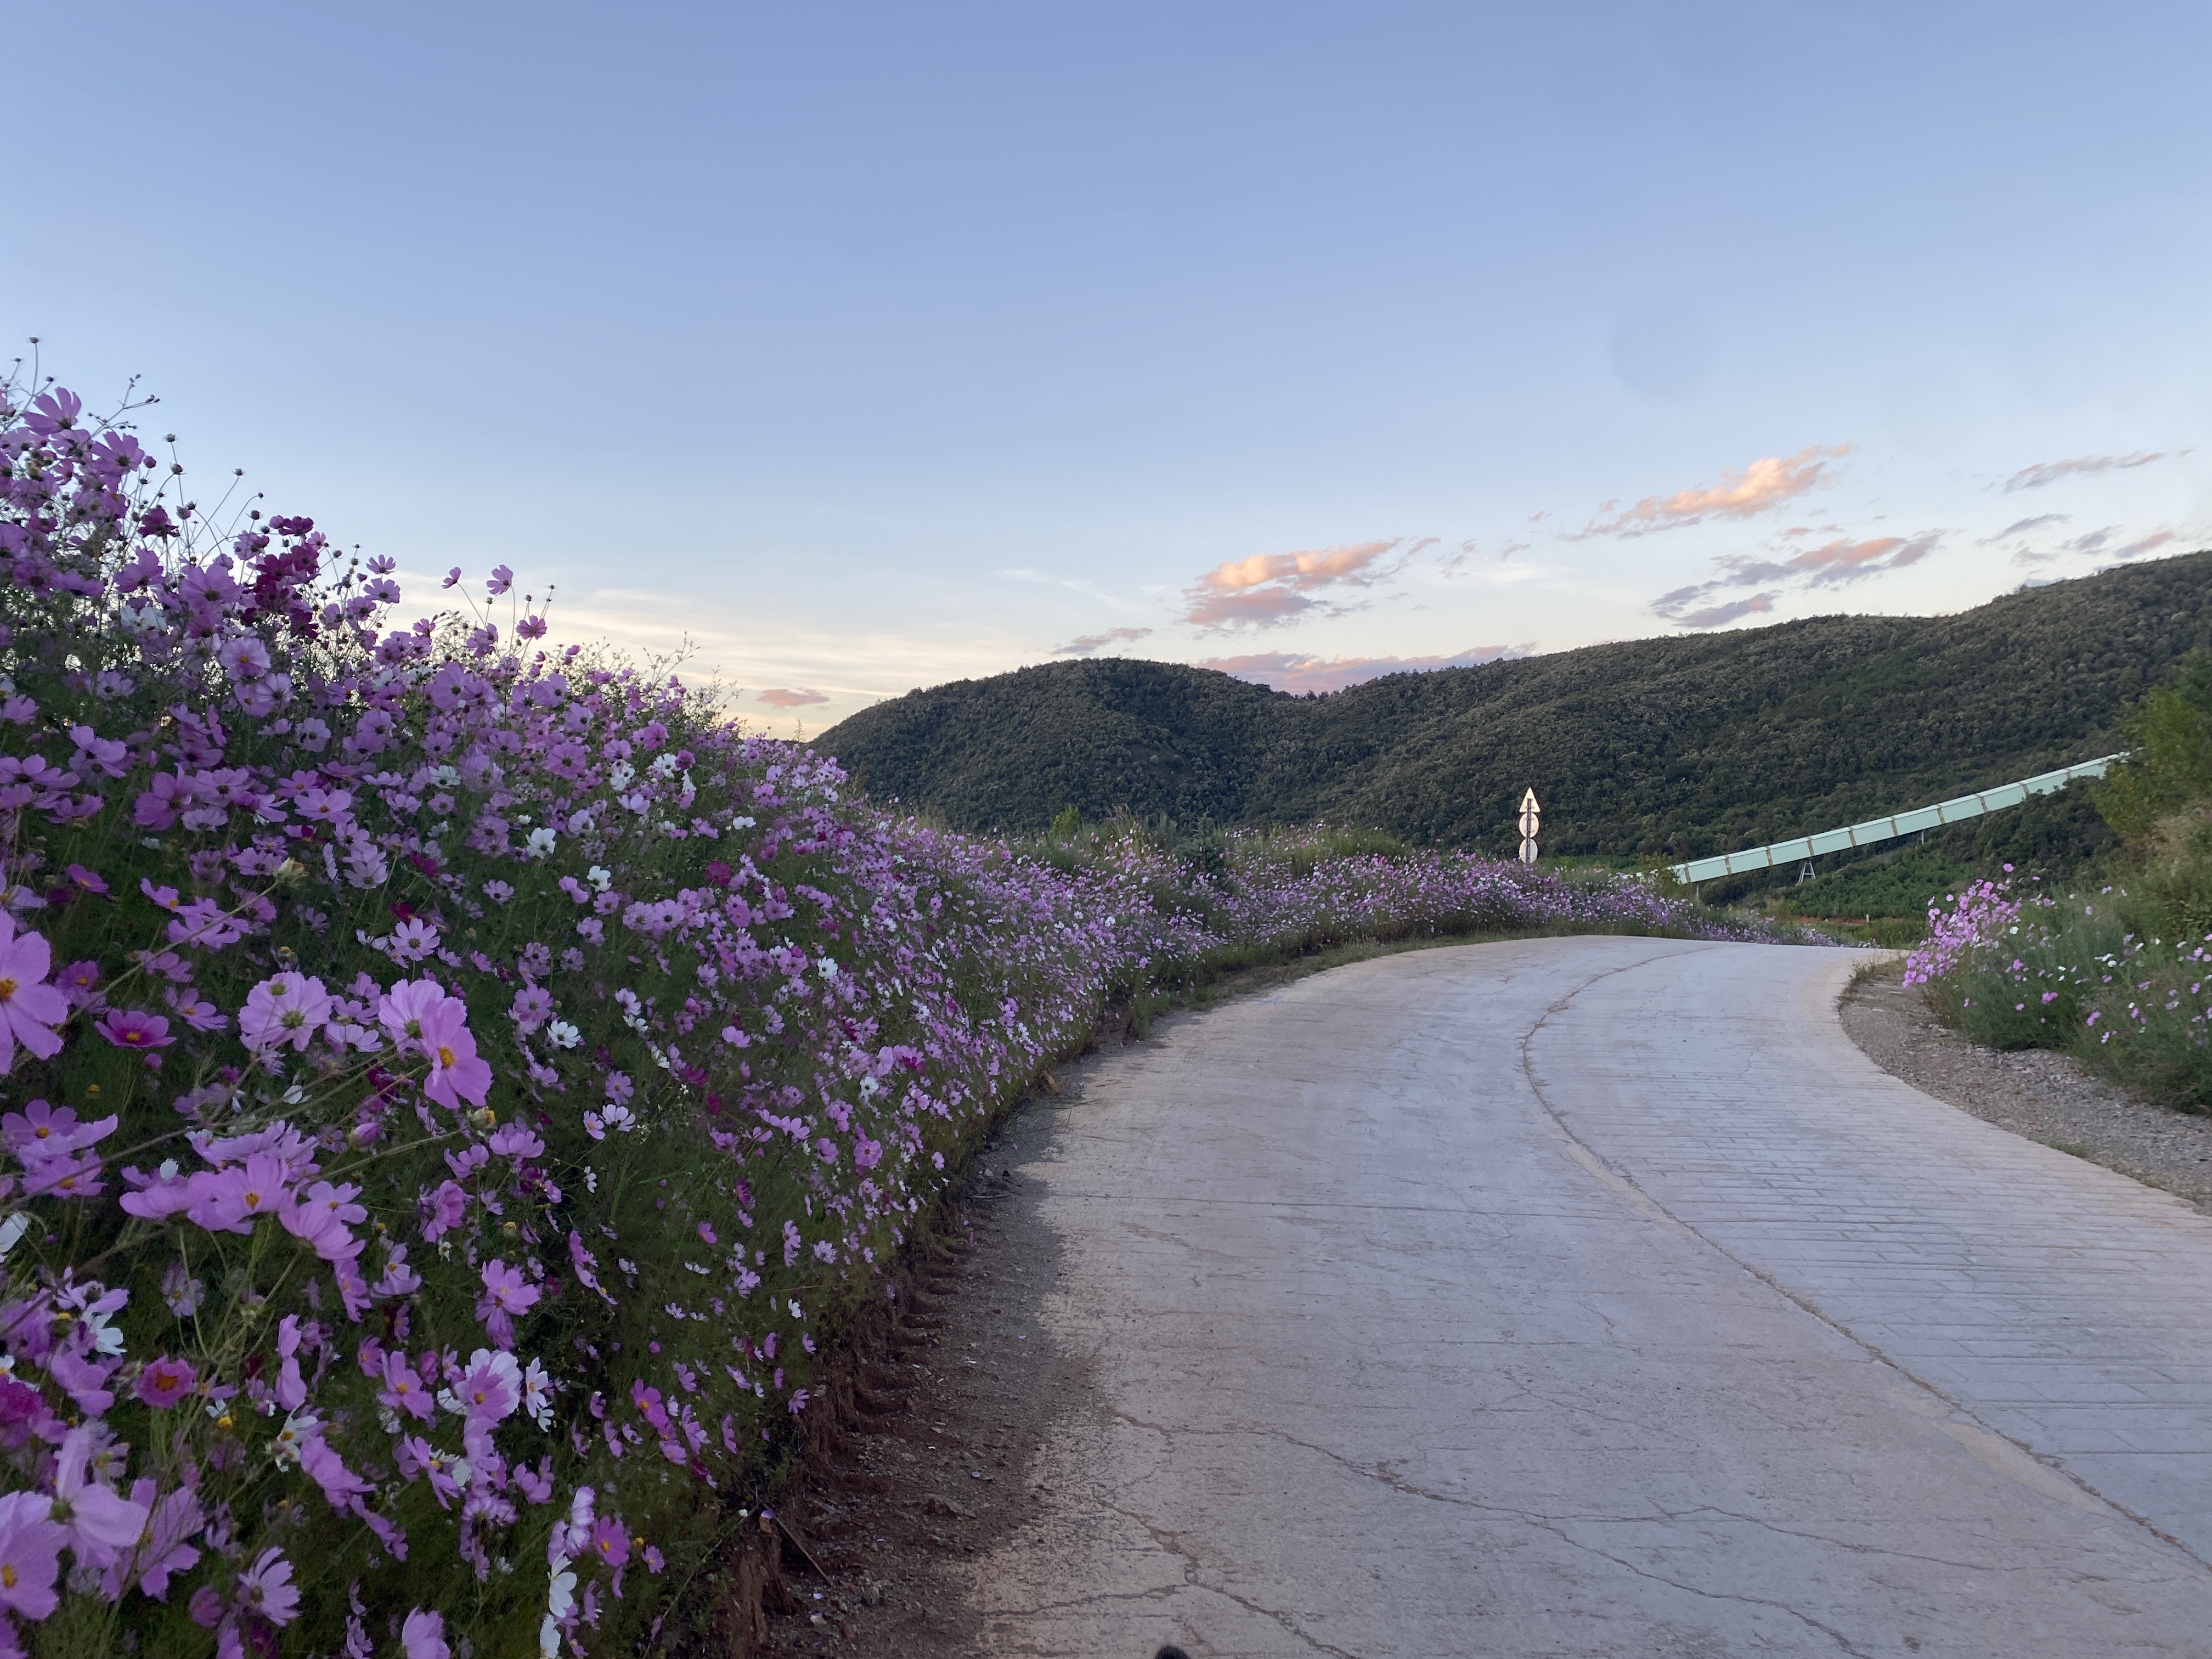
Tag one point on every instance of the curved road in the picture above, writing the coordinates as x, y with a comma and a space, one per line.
1598, 1296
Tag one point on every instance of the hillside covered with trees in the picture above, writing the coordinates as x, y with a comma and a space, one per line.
1680, 747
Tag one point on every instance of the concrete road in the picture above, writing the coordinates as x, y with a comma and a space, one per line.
1597, 1297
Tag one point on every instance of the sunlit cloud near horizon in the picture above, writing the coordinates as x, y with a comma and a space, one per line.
872, 351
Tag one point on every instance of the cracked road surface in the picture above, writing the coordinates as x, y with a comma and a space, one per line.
1598, 1296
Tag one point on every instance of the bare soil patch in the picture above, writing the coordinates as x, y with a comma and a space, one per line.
2046, 1097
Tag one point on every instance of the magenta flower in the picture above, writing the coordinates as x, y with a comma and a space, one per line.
135, 1029
30, 1554
97, 1524
79, 983
610, 1540
401, 1010
40, 1132
506, 1293
283, 1008
404, 1388
73, 1177
29, 1007
491, 1388
266, 1588
423, 1635
531, 1008
322, 1216
166, 1384
457, 1073
163, 1551
227, 1200
340, 1484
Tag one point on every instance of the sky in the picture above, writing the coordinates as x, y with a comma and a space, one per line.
836, 350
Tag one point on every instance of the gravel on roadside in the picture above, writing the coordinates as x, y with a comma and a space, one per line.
2046, 1097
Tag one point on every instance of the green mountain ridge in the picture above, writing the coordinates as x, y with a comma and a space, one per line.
1680, 746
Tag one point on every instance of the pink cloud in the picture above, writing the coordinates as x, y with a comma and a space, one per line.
777, 696
2046, 472
1083, 644
1844, 560
1293, 670
1841, 560
1763, 485
1269, 588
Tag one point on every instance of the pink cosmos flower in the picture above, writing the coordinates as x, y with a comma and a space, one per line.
283, 1008
73, 1177
134, 1028
96, 1523
30, 1554
79, 983
610, 1540
227, 1200
266, 1586
458, 1074
340, 1484
166, 1384
413, 940
322, 1216
400, 1011
29, 1007
491, 1386
162, 1551
40, 1132
423, 1635
506, 1293
404, 1389
531, 1008
90, 880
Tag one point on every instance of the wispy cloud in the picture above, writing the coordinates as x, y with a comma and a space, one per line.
1083, 644
1293, 671
1271, 588
2101, 542
2021, 527
1714, 615
1759, 488
1841, 560
2050, 472
778, 697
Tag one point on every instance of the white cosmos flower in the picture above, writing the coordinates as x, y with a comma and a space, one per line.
561, 1035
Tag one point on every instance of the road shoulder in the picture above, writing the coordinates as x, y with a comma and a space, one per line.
2047, 1098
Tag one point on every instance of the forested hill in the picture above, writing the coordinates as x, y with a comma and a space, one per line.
1685, 745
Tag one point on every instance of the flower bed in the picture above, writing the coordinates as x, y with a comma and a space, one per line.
455, 1088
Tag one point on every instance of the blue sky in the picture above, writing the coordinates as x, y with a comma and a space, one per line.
872, 346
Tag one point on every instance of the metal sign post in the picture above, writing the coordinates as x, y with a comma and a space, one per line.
1532, 818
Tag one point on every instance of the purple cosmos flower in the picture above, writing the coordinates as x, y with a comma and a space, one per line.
501, 579
40, 1132
610, 1540
531, 1008
166, 1384
404, 1389
134, 1028
457, 1073
227, 1200
266, 1588
283, 1008
79, 983
423, 1635
30, 1554
162, 1551
95, 1522
506, 1293
29, 1007
491, 1386
322, 1217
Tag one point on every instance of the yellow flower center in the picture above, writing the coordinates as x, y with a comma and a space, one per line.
7, 1572
444, 1055
254, 1200
7, 990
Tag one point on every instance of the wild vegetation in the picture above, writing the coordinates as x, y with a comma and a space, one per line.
2120, 973
1676, 747
455, 1090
